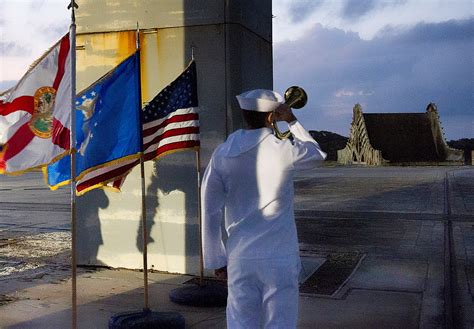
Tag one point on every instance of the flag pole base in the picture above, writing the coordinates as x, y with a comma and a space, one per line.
206, 295
147, 319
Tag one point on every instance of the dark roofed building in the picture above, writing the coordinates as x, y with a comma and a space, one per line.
378, 138
402, 137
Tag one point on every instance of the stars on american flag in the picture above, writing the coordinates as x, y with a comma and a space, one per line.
181, 93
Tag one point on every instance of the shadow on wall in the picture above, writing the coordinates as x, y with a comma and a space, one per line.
152, 203
175, 172
89, 226
177, 233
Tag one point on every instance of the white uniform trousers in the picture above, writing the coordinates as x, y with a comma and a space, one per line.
263, 293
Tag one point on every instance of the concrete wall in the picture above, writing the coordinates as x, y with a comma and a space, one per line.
233, 53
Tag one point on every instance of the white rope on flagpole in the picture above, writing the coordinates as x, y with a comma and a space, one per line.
72, 48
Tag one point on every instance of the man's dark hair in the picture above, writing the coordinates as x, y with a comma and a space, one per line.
255, 120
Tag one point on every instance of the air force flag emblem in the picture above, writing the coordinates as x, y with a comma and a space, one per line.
86, 104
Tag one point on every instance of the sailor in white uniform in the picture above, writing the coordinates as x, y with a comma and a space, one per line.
249, 184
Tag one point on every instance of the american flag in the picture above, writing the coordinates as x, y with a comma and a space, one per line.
170, 123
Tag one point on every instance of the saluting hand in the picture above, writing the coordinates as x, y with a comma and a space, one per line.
284, 113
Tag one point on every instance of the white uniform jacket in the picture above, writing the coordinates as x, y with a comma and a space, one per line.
249, 183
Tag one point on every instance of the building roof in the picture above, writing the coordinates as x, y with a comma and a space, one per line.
378, 138
403, 137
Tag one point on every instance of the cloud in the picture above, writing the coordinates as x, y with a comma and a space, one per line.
344, 93
12, 49
351, 93
400, 71
300, 10
37, 5
47, 30
355, 9
426, 33
56, 30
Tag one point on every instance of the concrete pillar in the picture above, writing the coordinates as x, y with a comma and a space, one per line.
233, 52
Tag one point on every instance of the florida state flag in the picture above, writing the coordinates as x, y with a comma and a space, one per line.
35, 114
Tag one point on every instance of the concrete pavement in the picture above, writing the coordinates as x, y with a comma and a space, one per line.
376, 246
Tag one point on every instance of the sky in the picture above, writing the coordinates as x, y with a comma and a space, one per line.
387, 55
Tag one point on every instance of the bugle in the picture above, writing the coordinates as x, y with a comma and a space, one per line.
296, 98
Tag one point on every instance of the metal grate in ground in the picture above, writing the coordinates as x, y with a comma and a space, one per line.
330, 277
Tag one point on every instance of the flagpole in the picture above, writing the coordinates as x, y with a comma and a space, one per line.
201, 294
72, 36
142, 174
198, 171
145, 318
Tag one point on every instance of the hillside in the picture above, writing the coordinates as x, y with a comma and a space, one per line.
462, 144
465, 144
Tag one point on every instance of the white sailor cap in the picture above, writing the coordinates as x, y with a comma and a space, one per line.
260, 100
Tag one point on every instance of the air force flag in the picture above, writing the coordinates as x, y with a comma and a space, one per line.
107, 125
